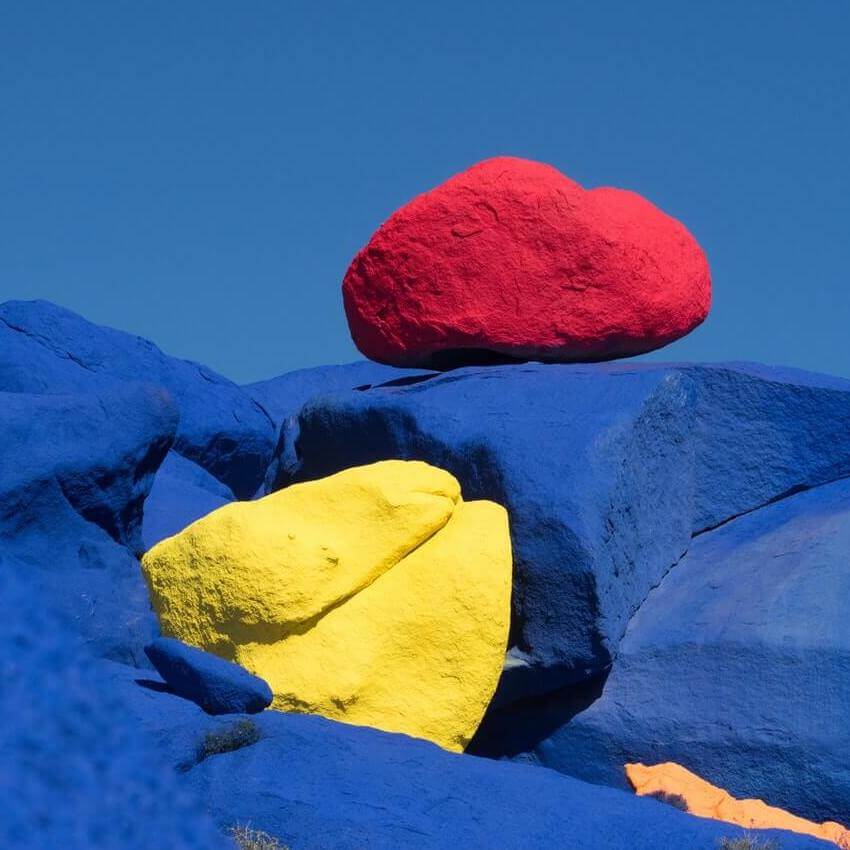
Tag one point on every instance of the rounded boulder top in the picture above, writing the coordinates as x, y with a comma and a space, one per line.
513, 260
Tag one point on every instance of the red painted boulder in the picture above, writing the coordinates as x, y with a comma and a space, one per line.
512, 259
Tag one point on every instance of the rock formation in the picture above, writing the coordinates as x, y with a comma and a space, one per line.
376, 596
606, 471
649, 561
737, 664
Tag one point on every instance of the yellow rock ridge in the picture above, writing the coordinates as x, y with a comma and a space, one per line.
708, 801
376, 596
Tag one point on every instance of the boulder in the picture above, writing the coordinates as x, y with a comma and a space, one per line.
511, 258
182, 492
315, 784
79, 772
377, 596
47, 349
216, 685
74, 473
708, 801
737, 666
606, 472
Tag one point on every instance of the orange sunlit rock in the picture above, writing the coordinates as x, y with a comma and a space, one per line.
708, 801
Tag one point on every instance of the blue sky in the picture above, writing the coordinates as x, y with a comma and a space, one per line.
201, 173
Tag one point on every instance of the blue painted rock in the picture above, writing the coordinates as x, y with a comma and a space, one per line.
606, 471
216, 685
47, 349
736, 667
74, 474
284, 396
320, 785
77, 771
182, 492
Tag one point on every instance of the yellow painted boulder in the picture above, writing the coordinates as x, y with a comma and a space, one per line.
376, 596
708, 801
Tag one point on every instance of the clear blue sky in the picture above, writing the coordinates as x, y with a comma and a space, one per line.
201, 173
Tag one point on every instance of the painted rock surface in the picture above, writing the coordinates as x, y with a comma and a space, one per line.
182, 492
512, 258
74, 473
606, 470
216, 685
284, 396
78, 771
377, 596
737, 665
319, 785
707, 801
47, 349
678, 521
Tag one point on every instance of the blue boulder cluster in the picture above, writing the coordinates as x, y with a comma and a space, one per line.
681, 539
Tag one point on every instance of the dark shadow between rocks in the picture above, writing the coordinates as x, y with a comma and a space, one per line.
406, 381
153, 685
511, 730
454, 358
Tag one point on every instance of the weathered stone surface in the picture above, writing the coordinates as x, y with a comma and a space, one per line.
47, 349
737, 665
216, 685
606, 471
512, 258
377, 596
708, 801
